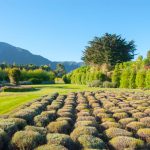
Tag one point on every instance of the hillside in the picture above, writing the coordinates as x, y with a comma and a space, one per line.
11, 54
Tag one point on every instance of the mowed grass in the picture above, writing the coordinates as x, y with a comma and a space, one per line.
9, 101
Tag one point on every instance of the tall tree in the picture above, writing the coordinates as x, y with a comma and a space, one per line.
60, 70
109, 49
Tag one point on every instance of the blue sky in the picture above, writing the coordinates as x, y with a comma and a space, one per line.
60, 29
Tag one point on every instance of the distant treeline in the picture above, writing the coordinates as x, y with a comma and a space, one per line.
32, 73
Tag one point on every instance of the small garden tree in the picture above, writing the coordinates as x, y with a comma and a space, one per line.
14, 75
140, 79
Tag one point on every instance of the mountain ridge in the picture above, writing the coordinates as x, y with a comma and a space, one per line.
11, 54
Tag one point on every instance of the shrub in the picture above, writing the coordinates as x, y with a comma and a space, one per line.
14, 75
116, 75
89, 141
51, 147
140, 79
26, 140
120, 115
60, 139
132, 78
122, 142
147, 111
82, 131
147, 79
3, 139
41, 130
9, 127
86, 123
144, 134
20, 123
26, 114
139, 115
108, 119
107, 84
125, 121
109, 124
35, 81
65, 118
113, 132
124, 81
17, 89
44, 118
95, 83
146, 121
135, 125
59, 127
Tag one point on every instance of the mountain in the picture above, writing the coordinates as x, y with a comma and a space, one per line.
11, 54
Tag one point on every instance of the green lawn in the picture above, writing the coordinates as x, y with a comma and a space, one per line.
9, 101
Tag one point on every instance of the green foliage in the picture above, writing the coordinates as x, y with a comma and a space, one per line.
147, 79
108, 49
124, 82
60, 70
107, 84
140, 79
116, 75
17, 89
122, 142
14, 75
26, 140
35, 81
95, 83
132, 78
85, 75
91, 142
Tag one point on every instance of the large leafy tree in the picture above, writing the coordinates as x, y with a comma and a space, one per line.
109, 49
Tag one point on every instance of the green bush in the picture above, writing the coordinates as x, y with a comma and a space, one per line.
26, 140
146, 121
41, 130
35, 81
89, 141
147, 79
44, 118
113, 132
17, 89
51, 147
122, 142
132, 78
14, 75
144, 134
107, 84
20, 123
82, 131
120, 115
124, 81
3, 139
135, 125
116, 75
109, 124
125, 121
60, 139
140, 79
9, 127
59, 127
95, 83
